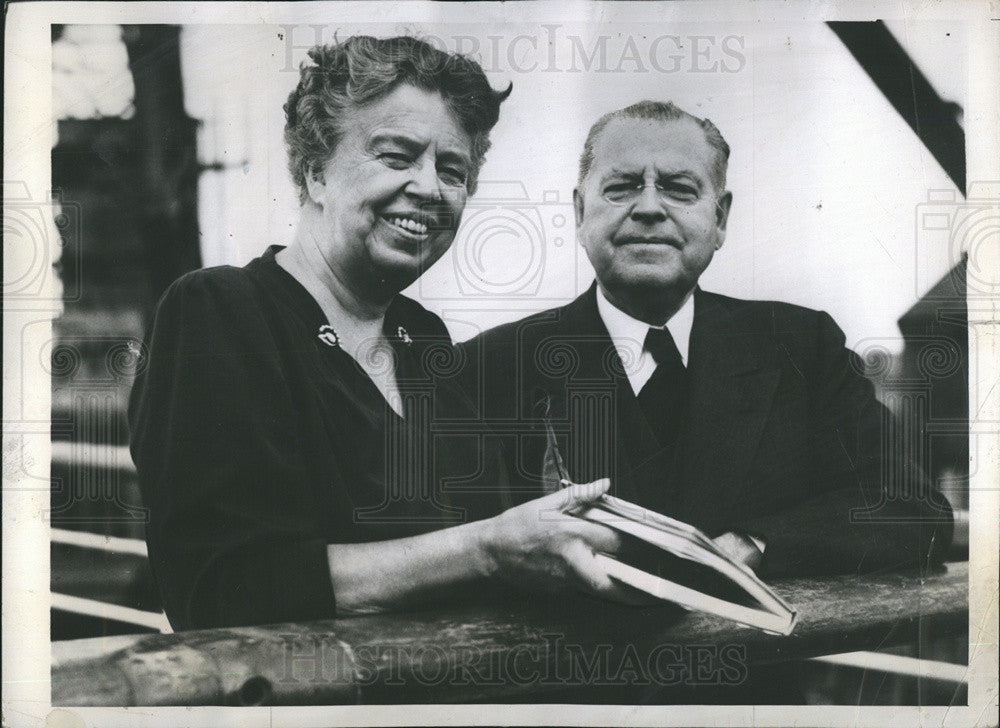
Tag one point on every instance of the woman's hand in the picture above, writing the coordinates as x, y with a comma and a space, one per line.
536, 545
540, 545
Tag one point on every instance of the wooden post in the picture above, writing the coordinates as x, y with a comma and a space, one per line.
497, 652
167, 152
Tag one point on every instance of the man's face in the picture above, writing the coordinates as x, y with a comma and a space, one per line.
393, 192
648, 213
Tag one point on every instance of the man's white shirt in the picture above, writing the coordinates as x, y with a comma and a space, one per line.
629, 334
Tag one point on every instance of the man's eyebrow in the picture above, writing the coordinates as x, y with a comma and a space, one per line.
660, 174
617, 172
677, 173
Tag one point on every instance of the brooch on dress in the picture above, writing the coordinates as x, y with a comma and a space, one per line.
403, 336
328, 336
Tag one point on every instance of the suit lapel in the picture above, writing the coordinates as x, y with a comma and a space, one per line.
731, 388
610, 434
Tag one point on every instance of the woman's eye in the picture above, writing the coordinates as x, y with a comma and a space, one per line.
395, 160
452, 175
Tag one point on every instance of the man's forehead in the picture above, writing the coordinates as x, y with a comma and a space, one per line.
638, 141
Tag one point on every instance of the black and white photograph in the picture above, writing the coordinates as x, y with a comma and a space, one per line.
503, 363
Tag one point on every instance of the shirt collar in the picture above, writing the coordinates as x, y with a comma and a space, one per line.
628, 333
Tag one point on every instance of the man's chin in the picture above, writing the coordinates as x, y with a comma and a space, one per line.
651, 280
637, 287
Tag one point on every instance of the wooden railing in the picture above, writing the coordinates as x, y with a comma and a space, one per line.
504, 651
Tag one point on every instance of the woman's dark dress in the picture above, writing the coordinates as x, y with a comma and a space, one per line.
258, 443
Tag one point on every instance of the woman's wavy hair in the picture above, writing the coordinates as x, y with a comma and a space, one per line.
346, 75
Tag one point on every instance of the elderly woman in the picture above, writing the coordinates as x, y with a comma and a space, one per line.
281, 429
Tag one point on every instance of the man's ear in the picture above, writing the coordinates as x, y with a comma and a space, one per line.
578, 207
722, 207
316, 185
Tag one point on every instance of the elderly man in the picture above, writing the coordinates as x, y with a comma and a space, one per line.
748, 419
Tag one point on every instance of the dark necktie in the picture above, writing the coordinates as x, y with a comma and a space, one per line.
663, 398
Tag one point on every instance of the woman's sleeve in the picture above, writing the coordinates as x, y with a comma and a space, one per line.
233, 530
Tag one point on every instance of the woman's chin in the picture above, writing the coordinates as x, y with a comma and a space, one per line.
407, 259
399, 269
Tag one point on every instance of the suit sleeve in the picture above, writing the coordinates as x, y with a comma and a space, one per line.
869, 507
232, 531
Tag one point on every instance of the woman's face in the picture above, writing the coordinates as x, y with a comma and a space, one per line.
393, 192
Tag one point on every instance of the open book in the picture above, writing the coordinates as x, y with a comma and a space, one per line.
694, 572
680, 563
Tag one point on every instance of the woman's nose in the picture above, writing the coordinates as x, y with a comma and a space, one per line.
424, 180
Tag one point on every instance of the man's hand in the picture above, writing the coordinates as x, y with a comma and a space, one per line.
539, 545
740, 548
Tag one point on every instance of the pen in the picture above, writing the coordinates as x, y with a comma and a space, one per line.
551, 443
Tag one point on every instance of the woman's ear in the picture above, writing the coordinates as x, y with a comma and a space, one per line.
316, 185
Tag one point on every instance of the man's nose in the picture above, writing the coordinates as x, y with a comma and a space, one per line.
648, 206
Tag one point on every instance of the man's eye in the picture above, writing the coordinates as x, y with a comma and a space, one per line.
682, 192
620, 190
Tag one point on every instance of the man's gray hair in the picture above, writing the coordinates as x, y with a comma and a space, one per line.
659, 111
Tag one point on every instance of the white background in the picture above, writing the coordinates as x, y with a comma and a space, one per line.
829, 181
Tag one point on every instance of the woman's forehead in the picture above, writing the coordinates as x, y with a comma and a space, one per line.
407, 112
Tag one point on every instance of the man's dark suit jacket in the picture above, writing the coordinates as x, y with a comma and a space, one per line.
784, 438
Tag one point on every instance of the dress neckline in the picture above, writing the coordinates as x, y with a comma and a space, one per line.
307, 306
317, 323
